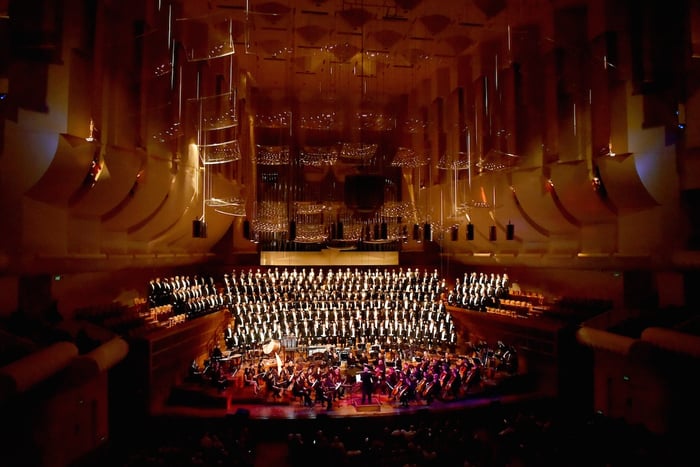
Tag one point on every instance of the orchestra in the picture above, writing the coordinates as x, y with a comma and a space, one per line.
392, 328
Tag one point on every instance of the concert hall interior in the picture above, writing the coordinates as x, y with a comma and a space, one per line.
393, 232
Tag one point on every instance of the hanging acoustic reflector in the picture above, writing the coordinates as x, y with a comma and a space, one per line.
470, 231
492, 233
510, 231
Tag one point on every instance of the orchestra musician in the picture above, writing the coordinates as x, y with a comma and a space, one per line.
301, 388
228, 337
407, 391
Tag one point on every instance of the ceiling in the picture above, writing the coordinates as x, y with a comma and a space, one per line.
368, 48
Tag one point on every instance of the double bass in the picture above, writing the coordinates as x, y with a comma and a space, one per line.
398, 389
447, 387
427, 390
420, 387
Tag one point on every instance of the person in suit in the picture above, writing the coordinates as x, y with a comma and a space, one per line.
367, 380
228, 337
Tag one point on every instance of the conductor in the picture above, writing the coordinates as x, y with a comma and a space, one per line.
367, 380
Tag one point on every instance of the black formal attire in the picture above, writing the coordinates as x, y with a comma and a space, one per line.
367, 380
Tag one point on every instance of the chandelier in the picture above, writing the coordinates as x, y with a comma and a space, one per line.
358, 151
271, 155
310, 233
397, 209
271, 217
496, 161
305, 208
281, 119
309, 225
407, 158
375, 121
459, 162
318, 156
319, 121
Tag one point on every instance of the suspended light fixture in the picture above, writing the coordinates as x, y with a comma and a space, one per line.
408, 158
271, 155
358, 151
318, 156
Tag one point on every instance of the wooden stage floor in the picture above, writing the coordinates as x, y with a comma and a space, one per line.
196, 399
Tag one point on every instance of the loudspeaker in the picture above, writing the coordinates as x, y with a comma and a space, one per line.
416, 232
199, 229
492, 233
339, 231
510, 231
376, 232
292, 230
470, 231
246, 229
383, 231
454, 232
364, 193
427, 232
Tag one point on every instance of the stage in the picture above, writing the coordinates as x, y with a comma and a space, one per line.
198, 399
